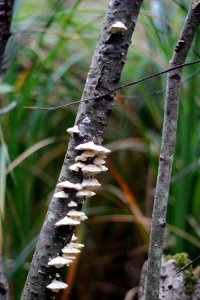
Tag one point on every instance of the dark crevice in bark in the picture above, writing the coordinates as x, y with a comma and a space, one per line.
92, 117
167, 151
6, 10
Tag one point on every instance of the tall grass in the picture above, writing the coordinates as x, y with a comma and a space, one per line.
49, 55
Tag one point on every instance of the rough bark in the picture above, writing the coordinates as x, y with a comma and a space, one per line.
92, 117
4, 290
167, 151
6, 9
173, 286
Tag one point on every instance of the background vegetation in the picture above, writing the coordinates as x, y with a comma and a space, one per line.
49, 56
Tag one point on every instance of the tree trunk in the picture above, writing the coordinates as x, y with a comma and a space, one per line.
92, 117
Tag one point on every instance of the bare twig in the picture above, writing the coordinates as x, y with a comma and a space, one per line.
167, 152
116, 89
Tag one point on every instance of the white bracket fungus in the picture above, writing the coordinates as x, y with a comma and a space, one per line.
56, 285
76, 245
91, 169
75, 167
92, 147
69, 185
72, 204
67, 221
61, 194
69, 256
90, 183
103, 168
59, 262
99, 161
77, 215
85, 155
70, 251
85, 193
74, 238
73, 129
117, 27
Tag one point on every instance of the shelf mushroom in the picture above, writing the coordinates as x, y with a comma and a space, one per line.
56, 285
73, 129
59, 262
117, 27
67, 221
69, 185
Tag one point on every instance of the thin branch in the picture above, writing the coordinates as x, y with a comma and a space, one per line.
167, 152
188, 265
116, 89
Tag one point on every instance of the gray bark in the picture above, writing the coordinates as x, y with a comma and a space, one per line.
6, 9
172, 285
92, 117
4, 289
167, 151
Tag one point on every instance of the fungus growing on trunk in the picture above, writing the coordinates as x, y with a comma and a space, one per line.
69, 185
85, 193
77, 215
72, 204
56, 285
85, 155
67, 221
59, 262
73, 129
67, 250
92, 147
89, 183
74, 238
61, 194
117, 27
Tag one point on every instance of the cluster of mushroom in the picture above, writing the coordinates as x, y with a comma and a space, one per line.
91, 162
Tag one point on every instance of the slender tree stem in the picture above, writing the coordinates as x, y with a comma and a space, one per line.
6, 9
92, 117
167, 152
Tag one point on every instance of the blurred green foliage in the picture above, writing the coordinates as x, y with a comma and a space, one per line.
48, 57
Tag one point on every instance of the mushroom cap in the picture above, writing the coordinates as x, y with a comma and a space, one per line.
85, 193
93, 147
85, 155
61, 194
73, 129
99, 161
69, 256
56, 285
76, 245
77, 215
67, 221
91, 169
70, 250
118, 26
90, 183
103, 168
72, 204
59, 262
69, 185
75, 167
74, 238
